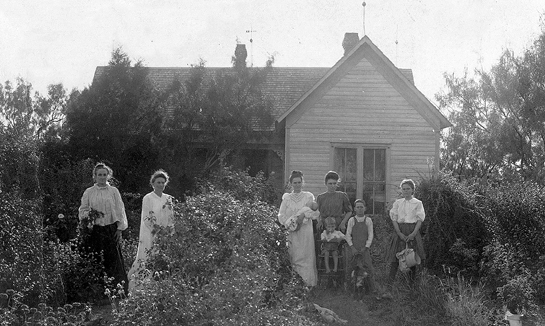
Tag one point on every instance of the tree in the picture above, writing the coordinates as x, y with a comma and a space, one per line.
27, 120
215, 112
117, 119
499, 118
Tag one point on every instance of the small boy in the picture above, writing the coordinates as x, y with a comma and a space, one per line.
359, 236
333, 238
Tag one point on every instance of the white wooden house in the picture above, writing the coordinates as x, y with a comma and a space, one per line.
363, 118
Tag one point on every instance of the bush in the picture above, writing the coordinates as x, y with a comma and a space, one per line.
21, 251
453, 231
515, 221
13, 312
227, 263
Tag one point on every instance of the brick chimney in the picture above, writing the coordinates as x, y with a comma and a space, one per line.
350, 40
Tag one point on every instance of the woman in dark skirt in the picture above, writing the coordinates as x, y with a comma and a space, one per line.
102, 204
407, 215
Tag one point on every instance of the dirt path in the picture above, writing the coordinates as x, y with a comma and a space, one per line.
368, 312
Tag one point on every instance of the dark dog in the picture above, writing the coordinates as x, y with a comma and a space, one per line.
359, 276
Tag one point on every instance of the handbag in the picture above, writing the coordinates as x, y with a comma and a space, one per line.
407, 258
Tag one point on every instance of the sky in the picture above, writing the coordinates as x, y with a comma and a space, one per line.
63, 41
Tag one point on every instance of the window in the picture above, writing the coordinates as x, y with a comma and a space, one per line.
363, 174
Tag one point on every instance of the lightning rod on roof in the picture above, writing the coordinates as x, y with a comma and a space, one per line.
251, 31
363, 5
397, 31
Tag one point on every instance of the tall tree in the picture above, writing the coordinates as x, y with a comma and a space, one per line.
214, 112
27, 120
117, 120
499, 118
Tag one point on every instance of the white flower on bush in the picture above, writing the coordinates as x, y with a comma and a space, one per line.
61, 216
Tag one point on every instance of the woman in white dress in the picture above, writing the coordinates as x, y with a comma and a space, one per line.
156, 212
301, 240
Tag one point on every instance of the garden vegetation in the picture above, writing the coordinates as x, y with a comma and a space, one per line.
227, 261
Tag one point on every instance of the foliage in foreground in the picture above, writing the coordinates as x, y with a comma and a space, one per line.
14, 313
491, 232
226, 264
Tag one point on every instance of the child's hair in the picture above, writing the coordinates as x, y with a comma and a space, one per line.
359, 201
330, 221
409, 182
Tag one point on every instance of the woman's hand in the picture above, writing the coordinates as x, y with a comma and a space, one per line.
320, 223
300, 218
410, 237
402, 236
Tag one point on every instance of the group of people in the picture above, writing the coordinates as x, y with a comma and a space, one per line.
111, 220
333, 210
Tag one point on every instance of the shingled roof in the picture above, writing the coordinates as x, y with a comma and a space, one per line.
285, 85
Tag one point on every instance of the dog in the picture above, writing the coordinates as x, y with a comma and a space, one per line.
359, 276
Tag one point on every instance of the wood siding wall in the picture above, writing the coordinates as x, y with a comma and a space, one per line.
361, 107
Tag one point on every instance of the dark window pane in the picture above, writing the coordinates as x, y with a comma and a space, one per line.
368, 164
380, 164
345, 163
350, 174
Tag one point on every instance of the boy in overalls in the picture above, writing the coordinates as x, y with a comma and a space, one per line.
359, 236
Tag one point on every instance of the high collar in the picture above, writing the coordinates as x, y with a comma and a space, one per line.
102, 187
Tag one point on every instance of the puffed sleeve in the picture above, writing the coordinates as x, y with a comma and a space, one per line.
323, 236
120, 211
85, 206
144, 216
420, 214
282, 218
394, 210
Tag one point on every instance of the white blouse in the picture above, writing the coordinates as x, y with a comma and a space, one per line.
407, 211
293, 202
157, 210
106, 200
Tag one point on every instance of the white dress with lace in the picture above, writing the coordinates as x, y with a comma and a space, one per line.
155, 211
301, 242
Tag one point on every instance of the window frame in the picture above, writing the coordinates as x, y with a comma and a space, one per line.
360, 147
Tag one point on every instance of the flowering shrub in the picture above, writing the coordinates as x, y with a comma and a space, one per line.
22, 253
226, 264
13, 312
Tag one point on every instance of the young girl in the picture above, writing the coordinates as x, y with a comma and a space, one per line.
333, 238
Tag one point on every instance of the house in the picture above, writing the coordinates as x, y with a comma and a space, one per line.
363, 118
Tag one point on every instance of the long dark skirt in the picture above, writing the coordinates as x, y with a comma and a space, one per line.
107, 239
396, 244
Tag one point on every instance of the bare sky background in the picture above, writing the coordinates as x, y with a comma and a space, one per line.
62, 41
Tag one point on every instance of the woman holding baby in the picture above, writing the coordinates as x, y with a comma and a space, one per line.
297, 211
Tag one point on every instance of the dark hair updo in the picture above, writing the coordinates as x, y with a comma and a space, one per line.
296, 174
331, 175
100, 166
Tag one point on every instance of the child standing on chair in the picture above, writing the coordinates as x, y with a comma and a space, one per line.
332, 239
359, 236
